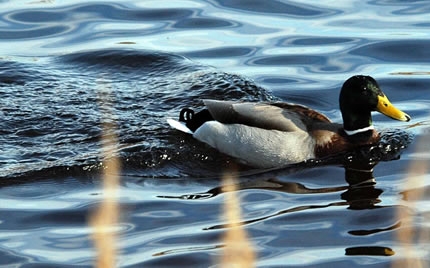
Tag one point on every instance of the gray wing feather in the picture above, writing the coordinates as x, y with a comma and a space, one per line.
255, 114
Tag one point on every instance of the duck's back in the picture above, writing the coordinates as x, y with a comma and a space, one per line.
276, 116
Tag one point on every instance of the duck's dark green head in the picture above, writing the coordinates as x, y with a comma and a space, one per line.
360, 95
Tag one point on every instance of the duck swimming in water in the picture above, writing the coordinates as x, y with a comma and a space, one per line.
267, 135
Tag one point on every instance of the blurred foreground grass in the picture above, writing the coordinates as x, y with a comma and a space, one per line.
105, 219
413, 237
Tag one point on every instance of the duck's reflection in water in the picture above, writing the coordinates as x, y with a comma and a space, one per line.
360, 193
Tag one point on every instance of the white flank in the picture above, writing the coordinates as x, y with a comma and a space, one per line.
179, 126
256, 146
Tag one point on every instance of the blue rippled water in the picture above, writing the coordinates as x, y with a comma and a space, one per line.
62, 62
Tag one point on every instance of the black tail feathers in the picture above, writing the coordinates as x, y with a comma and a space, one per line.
194, 120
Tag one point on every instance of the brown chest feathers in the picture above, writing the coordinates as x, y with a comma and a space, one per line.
330, 142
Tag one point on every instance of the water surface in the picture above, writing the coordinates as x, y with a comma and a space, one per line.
64, 63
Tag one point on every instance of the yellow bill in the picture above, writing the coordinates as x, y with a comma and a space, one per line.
385, 107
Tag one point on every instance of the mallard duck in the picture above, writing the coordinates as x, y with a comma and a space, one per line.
267, 135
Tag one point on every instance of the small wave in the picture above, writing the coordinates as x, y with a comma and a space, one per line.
59, 128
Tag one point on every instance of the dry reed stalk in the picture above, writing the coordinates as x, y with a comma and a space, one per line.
238, 250
417, 171
106, 217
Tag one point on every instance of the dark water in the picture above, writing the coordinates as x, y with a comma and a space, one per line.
63, 63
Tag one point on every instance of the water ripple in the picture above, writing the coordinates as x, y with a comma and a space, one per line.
288, 8
395, 51
39, 23
226, 52
204, 23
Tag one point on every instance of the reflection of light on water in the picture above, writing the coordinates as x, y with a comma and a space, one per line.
411, 73
34, 205
309, 256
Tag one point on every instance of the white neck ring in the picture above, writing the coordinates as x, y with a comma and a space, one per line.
360, 130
